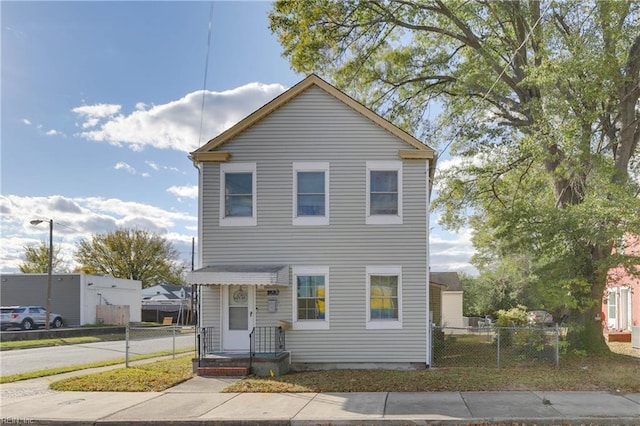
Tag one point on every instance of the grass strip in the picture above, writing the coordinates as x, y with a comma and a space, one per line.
615, 373
60, 370
60, 341
151, 377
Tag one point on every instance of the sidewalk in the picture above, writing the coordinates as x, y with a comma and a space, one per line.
199, 401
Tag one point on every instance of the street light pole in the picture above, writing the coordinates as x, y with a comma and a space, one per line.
48, 307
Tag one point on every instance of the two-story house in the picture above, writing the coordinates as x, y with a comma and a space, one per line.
314, 222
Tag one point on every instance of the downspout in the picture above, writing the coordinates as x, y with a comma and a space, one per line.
430, 172
197, 287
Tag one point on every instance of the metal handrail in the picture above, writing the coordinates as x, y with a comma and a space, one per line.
207, 335
266, 340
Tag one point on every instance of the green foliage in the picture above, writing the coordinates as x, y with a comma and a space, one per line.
503, 287
514, 317
131, 254
539, 107
36, 259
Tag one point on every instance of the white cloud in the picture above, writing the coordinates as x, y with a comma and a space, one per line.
190, 191
153, 165
451, 252
90, 122
176, 124
126, 167
26, 121
78, 218
97, 111
53, 132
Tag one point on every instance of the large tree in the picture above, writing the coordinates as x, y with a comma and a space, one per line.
539, 106
36, 259
131, 254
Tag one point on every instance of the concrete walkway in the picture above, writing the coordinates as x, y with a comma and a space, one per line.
198, 401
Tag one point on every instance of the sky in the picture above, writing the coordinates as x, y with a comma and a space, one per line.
101, 103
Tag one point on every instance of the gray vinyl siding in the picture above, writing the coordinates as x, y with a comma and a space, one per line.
314, 126
209, 312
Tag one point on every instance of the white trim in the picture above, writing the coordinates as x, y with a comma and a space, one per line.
310, 167
384, 219
379, 324
428, 330
320, 324
238, 168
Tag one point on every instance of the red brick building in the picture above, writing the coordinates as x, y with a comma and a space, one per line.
621, 301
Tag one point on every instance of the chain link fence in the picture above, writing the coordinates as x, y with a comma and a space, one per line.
143, 340
490, 346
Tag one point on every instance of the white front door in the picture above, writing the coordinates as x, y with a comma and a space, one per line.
237, 317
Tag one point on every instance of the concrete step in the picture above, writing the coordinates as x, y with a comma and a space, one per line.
222, 371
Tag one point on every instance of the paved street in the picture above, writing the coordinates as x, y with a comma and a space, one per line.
27, 360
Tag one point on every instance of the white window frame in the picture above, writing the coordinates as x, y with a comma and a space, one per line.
310, 167
384, 219
238, 168
381, 324
319, 324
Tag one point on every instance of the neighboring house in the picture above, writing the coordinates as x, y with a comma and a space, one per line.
162, 301
166, 292
450, 291
314, 215
73, 296
621, 301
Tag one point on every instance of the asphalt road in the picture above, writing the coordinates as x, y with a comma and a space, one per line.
27, 360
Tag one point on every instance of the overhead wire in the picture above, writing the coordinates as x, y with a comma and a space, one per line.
206, 71
497, 80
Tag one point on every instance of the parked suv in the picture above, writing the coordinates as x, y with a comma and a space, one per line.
27, 317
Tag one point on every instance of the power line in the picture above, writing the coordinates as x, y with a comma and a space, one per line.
497, 80
206, 71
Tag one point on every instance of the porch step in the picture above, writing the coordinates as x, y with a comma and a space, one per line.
222, 371
618, 336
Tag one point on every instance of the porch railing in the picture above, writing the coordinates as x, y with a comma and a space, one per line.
266, 341
206, 341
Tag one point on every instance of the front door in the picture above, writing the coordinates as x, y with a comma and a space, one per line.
238, 317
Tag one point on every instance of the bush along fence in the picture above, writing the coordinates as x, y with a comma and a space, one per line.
494, 346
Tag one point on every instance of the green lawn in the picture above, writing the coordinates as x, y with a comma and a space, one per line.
618, 372
151, 377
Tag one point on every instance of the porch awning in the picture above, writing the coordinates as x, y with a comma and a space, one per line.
261, 275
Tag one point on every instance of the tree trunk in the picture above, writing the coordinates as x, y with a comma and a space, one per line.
585, 332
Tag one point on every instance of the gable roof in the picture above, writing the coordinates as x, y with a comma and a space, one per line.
207, 152
449, 279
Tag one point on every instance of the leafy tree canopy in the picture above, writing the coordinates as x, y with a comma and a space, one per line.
540, 110
131, 254
36, 259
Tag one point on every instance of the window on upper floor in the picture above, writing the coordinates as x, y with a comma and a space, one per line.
311, 193
238, 194
311, 304
384, 297
384, 192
